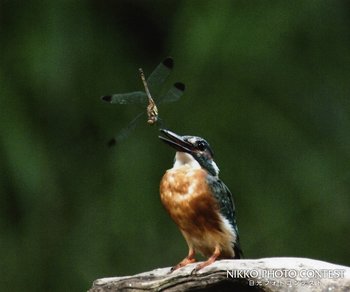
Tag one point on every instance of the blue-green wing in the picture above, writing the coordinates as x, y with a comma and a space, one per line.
227, 207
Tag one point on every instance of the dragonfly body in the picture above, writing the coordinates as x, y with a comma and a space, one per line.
153, 84
152, 110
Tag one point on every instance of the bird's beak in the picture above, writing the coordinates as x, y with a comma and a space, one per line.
176, 141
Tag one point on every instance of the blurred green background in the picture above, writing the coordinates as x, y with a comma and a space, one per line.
268, 85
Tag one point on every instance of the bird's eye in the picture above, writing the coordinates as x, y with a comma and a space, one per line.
201, 145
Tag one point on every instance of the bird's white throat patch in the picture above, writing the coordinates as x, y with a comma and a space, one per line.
185, 159
182, 159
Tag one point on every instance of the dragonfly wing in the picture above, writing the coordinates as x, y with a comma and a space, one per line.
174, 93
159, 75
126, 98
124, 133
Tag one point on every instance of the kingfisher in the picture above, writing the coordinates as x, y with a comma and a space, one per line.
199, 203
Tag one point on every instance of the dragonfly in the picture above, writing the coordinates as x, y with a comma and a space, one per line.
153, 84
152, 109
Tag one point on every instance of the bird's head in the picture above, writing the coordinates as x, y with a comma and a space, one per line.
191, 150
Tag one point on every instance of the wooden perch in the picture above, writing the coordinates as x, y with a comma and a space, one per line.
269, 274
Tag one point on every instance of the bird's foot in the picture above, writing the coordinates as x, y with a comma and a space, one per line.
212, 259
200, 266
194, 271
186, 261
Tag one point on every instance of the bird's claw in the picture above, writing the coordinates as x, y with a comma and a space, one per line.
172, 269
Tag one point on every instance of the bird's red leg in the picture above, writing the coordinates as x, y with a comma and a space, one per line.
187, 260
212, 259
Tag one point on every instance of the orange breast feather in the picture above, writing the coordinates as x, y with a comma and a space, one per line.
188, 199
